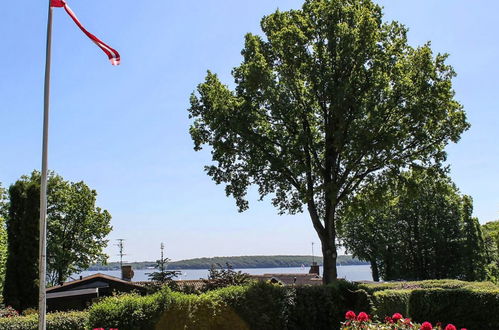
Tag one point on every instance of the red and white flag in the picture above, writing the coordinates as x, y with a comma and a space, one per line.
113, 55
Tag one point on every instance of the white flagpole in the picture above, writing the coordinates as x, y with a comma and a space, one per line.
42, 261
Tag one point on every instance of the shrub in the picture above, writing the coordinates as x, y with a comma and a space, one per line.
259, 305
130, 311
256, 306
388, 302
324, 306
55, 321
8, 311
470, 308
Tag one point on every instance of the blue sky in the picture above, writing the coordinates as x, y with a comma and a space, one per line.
124, 130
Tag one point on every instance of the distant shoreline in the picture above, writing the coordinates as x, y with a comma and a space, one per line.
237, 262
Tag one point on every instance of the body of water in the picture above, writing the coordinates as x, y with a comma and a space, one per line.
351, 273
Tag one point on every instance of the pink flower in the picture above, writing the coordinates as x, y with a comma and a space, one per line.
362, 317
350, 315
450, 327
388, 319
426, 326
397, 316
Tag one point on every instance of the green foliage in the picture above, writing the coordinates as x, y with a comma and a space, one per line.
472, 309
21, 277
76, 231
414, 226
55, 321
162, 276
466, 304
372, 288
220, 277
389, 302
260, 305
76, 228
491, 237
130, 311
328, 98
324, 307
256, 306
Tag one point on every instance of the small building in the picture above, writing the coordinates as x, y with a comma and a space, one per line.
79, 294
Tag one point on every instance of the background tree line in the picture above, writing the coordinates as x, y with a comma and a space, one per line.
76, 231
416, 225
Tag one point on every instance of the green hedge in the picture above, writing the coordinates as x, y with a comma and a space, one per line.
389, 302
371, 288
130, 311
467, 304
324, 307
259, 306
55, 321
468, 308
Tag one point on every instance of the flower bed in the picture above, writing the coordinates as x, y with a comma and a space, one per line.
395, 322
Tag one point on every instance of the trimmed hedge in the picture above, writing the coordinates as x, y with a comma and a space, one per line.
324, 307
371, 288
130, 311
55, 321
389, 302
472, 309
467, 304
257, 306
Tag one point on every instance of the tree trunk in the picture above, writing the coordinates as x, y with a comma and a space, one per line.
329, 256
374, 270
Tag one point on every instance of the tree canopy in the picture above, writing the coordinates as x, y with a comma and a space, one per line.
76, 234
491, 233
415, 226
328, 98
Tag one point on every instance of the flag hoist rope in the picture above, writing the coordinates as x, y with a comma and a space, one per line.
114, 57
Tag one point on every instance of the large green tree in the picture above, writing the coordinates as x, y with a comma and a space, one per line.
414, 226
491, 233
21, 276
330, 97
76, 234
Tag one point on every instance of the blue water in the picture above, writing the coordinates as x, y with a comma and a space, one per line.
351, 273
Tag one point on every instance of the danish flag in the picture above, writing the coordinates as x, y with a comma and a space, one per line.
111, 53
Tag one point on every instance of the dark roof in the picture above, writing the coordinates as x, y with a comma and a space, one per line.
290, 279
94, 280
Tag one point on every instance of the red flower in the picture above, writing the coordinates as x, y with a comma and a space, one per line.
350, 315
450, 327
388, 319
407, 321
362, 317
397, 316
426, 326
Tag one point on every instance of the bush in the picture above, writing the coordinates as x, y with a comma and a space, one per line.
389, 302
371, 288
469, 308
255, 306
130, 311
55, 321
325, 306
